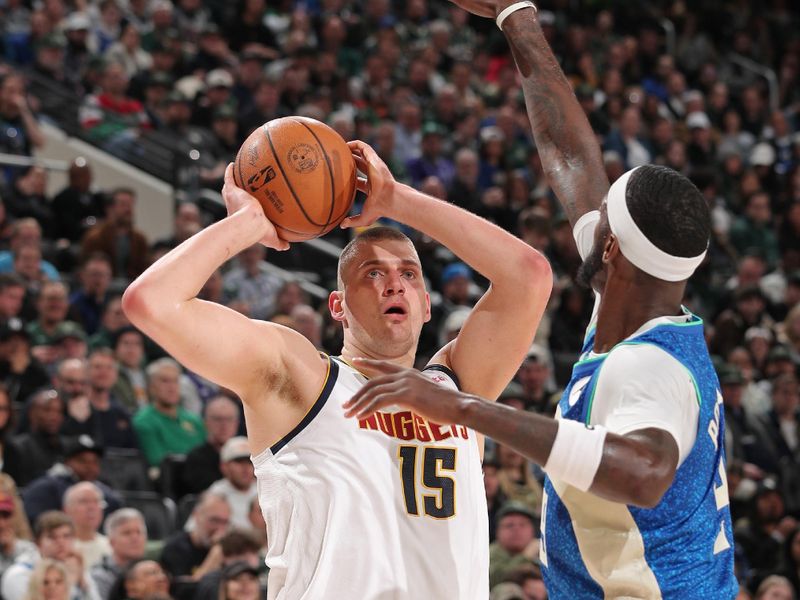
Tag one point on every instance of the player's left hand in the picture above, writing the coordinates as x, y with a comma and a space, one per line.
406, 388
379, 186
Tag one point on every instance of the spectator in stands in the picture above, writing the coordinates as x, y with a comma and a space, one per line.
202, 466
11, 545
50, 580
80, 47
431, 161
49, 63
109, 117
105, 421
86, 303
252, 283
20, 133
112, 320
81, 463
131, 386
117, 236
516, 544
186, 224
265, 107
309, 323
52, 307
218, 86
76, 207
143, 580
534, 375
775, 587
12, 293
495, 498
188, 553
464, 190
164, 427
11, 459
529, 578
223, 146
42, 446
238, 485
127, 536
748, 310
516, 479
239, 582
790, 563
25, 232
754, 229
27, 197
28, 266
55, 539
83, 503
237, 546
129, 53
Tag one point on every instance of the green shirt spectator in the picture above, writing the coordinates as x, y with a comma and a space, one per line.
754, 231
516, 544
164, 427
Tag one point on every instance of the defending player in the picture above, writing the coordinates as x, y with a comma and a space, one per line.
392, 507
636, 501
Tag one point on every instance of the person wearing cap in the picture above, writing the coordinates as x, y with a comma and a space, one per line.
516, 544
12, 295
432, 162
239, 582
128, 52
49, 55
20, 371
738, 434
218, 92
21, 133
81, 44
53, 307
535, 375
143, 579
238, 484
130, 389
754, 228
638, 439
701, 151
86, 303
76, 206
81, 463
507, 591
222, 147
748, 310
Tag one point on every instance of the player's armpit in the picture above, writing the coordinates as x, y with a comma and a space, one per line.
637, 468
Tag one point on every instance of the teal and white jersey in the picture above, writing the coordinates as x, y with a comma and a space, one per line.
682, 548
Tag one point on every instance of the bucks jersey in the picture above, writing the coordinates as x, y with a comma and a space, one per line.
386, 508
682, 548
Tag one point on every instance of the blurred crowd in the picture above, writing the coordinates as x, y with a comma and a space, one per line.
127, 476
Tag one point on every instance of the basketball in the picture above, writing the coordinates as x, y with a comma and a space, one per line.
302, 173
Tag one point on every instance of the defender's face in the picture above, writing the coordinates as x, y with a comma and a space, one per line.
384, 300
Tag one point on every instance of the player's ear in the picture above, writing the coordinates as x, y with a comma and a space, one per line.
427, 307
611, 249
336, 305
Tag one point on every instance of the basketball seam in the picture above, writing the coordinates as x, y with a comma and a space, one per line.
330, 173
286, 180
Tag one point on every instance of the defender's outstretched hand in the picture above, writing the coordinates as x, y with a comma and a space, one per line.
379, 186
237, 199
407, 388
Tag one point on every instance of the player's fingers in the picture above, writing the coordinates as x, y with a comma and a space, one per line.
367, 402
357, 145
229, 175
367, 390
362, 185
362, 164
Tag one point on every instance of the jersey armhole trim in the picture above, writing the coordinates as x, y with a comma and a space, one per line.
330, 381
447, 371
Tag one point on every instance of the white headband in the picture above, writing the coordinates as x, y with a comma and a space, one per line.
634, 244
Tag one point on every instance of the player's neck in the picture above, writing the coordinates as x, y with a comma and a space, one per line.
352, 350
625, 307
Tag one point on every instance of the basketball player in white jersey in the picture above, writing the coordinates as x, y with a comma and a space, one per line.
391, 507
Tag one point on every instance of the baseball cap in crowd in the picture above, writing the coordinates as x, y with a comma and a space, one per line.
69, 329
762, 155
507, 591
512, 391
6, 502
52, 40
698, 120
225, 111
516, 508
159, 78
492, 133
779, 353
432, 128
235, 449
237, 568
538, 353
176, 96
12, 327
456, 269
730, 375
83, 443
77, 21
219, 78
757, 332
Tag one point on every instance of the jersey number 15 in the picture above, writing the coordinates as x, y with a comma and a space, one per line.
441, 504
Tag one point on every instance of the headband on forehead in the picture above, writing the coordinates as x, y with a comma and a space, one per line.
634, 244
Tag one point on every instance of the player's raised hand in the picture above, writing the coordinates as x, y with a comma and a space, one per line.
237, 199
379, 186
406, 388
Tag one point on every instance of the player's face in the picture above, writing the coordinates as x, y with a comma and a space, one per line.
384, 301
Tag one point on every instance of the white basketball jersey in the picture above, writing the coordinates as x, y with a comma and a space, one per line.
389, 508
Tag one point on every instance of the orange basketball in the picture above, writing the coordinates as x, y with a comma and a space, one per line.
302, 173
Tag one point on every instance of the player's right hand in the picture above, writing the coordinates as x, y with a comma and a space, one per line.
238, 200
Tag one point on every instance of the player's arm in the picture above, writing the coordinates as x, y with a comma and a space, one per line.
210, 339
569, 151
636, 468
500, 328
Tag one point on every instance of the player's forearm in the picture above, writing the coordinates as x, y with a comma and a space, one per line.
631, 470
180, 274
506, 261
564, 138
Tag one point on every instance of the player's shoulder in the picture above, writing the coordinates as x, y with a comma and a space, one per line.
637, 361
